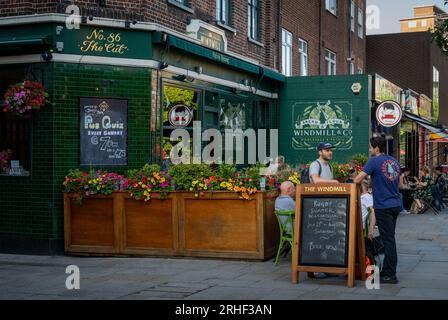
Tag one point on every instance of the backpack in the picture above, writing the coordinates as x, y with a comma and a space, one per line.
305, 173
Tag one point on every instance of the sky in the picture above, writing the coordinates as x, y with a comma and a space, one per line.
391, 11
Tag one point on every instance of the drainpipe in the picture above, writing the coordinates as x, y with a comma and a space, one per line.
321, 21
349, 37
279, 35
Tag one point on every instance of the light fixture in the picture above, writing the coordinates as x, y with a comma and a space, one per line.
84, 19
163, 65
198, 69
180, 77
47, 56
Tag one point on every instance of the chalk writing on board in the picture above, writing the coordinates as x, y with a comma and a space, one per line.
103, 131
324, 231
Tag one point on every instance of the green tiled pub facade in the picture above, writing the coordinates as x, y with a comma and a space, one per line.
336, 109
32, 208
114, 63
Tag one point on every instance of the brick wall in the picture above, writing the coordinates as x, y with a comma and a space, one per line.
407, 60
303, 19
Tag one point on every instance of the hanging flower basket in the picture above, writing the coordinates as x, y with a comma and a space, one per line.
25, 97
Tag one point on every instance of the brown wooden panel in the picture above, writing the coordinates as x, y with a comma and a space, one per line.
271, 228
221, 225
149, 225
92, 223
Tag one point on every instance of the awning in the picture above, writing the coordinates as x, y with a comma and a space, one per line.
217, 56
437, 133
11, 43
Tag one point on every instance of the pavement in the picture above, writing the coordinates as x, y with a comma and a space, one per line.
422, 270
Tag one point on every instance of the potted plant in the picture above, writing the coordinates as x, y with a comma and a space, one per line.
25, 97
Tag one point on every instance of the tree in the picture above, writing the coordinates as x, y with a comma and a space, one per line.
440, 34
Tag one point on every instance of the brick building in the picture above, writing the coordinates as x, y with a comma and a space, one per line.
140, 57
416, 64
325, 28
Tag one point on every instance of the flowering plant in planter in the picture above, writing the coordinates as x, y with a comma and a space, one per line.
88, 184
142, 186
24, 97
341, 171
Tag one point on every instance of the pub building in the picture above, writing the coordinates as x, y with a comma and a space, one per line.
117, 91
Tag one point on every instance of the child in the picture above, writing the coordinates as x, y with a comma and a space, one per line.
367, 209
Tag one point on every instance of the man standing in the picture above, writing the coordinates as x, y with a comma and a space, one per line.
321, 170
385, 172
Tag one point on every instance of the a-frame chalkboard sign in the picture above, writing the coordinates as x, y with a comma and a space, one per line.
328, 231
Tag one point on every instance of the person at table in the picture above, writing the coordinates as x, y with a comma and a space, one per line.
405, 180
278, 166
285, 201
385, 173
423, 192
438, 188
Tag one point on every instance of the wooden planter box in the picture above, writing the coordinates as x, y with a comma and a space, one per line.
216, 225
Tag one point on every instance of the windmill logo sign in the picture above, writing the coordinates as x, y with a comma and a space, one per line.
315, 122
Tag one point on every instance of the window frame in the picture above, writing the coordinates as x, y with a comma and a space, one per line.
303, 54
286, 35
219, 12
328, 6
360, 23
331, 62
352, 15
253, 15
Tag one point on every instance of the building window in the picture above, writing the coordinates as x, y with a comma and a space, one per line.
253, 19
352, 16
360, 23
412, 24
352, 68
182, 4
360, 71
223, 11
436, 94
330, 58
303, 57
286, 53
424, 23
331, 5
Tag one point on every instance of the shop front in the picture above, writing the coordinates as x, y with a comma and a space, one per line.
115, 95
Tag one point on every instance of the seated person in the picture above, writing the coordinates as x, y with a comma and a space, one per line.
438, 188
367, 209
423, 192
279, 165
285, 201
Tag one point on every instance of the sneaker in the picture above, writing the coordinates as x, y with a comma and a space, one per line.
405, 212
391, 280
320, 275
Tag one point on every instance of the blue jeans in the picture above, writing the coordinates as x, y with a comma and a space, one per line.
401, 202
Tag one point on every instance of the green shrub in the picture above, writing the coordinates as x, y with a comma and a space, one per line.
184, 174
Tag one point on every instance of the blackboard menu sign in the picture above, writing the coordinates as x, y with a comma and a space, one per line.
103, 131
328, 231
324, 224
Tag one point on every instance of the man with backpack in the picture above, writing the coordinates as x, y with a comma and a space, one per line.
320, 170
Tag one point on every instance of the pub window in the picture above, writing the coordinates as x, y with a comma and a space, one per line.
180, 109
15, 145
15, 132
223, 11
253, 19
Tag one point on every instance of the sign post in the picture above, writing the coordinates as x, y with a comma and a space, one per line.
328, 231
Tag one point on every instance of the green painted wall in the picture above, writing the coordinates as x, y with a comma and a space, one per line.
314, 109
33, 207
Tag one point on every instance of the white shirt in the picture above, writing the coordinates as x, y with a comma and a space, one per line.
366, 202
